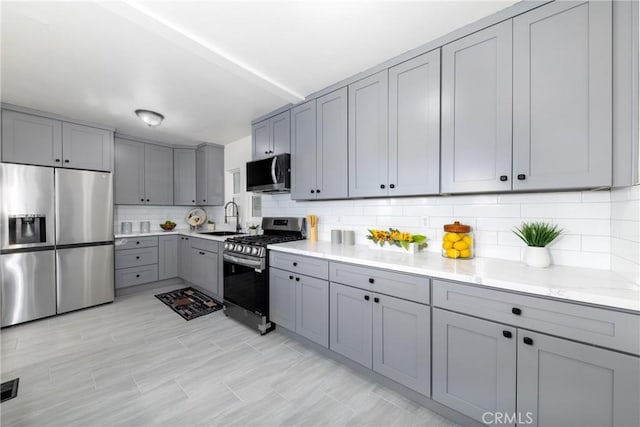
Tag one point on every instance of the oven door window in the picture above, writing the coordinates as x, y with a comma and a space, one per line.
247, 288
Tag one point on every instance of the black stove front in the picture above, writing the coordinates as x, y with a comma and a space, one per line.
246, 271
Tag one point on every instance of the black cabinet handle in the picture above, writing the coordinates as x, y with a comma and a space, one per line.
506, 334
290, 277
366, 297
142, 200
147, 200
376, 300
317, 191
371, 280
295, 264
137, 275
516, 311
57, 160
527, 341
266, 152
312, 191
392, 186
66, 160
137, 243
193, 201
137, 257
504, 178
297, 279
522, 177
382, 186
201, 253
204, 200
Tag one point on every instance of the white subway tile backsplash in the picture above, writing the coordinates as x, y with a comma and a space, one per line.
492, 211
628, 210
625, 232
596, 196
567, 210
600, 244
565, 197
581, 259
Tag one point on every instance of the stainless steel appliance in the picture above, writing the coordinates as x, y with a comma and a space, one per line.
43, 273
246, 271
270, 175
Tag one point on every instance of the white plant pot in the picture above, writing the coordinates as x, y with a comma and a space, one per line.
211, 227
537, 257
413, 248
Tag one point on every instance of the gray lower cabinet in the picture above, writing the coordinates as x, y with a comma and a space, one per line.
282, 298
414, 126
562, 382
184, 258
84, 147
562, 96
271, 136
158, 175
210, 175
368, 106
204, 270
312, 309
474, 364
184, 177
136, 261
31, 139
129, 172
167, 257
477, 111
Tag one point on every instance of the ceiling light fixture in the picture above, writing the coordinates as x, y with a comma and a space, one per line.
151, 118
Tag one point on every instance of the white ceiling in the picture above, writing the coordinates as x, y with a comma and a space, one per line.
208, 66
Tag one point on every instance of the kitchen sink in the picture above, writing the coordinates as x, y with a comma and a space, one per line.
220, 233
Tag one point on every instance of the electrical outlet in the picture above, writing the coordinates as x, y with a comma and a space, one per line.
425, 221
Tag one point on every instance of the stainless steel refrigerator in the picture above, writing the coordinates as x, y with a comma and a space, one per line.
56, 241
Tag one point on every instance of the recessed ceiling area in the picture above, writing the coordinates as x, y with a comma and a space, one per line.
209, 67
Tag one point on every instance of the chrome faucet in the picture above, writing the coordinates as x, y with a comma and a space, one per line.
234, 207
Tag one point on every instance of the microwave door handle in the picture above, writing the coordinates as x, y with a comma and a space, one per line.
274, 163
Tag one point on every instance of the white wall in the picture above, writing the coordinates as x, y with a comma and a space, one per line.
625, 232
236, 155
159, 214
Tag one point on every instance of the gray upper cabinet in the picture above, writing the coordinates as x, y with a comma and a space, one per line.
129, 172
210, 175
414, 126
271, 136
303, 151
319, 148
84, 147
167, 257
184, 177
474, 364
477, 112
368, 103
562, 98
158, 175
562, 382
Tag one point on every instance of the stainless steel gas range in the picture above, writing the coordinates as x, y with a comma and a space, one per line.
246, 271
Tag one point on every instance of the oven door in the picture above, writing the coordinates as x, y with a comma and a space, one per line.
246, 284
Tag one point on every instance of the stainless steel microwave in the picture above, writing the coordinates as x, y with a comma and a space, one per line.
270, 175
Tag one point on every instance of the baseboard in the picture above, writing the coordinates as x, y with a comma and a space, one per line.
129, 290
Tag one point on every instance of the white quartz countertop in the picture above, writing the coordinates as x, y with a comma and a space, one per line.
183, 232
599, 287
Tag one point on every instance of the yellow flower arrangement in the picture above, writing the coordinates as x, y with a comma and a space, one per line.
395, 237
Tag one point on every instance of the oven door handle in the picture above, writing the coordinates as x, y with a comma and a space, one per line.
255, 264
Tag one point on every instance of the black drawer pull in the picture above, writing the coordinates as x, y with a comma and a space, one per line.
527, 341
147, 200
266, 152
137, 275
376, 300
506, 334
312, 191
522, 177
142, 200
137, 243
318, 191
382, 186
137, 257
201, 253
392, 186
290, 277
193, 201
516, 311
297, 279
295, 264
366, 297
57, 160
504, 178
371, 280
66, 161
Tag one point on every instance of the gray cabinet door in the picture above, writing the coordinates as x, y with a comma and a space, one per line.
414, 126
401, 342
184, 177
129, 172
167, 257
303, 151
332, 149
282, 298
350, 323
31, 139
562, 382
84, 147
562, 97
476, 112
201, 176
204, 267
158, 175
215, 175
368, 136
474, 364
260, 140
312, 309
184, 258
280, 133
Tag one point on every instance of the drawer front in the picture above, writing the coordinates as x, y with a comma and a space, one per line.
406, 286
606, 328
136, 257
205, 245
308, 266
136, 275
136, 242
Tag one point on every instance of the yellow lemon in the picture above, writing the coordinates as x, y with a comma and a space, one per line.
468, 240
452, 237
453, 253
465, 253
460, 245
447, 244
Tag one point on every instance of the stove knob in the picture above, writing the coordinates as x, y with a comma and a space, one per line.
227, 246
247, 249
254, 251
232, 247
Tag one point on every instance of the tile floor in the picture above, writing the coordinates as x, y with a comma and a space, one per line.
135, 362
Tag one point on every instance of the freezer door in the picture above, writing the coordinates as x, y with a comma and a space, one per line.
28, 286
84, 276
25, 190
84, 207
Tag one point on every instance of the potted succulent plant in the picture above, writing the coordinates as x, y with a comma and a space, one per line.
211, 225
253, 229
537, 235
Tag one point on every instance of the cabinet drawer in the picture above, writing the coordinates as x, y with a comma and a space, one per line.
406, 286
136, 275
308, 266
205, 245
135, 242
136, 257
592, 325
